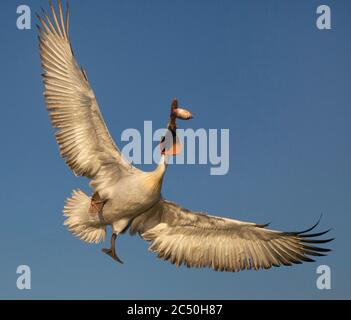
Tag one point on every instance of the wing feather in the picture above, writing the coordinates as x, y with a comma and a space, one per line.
200, 240
82, 135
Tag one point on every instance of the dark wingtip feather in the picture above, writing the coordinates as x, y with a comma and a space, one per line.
307, 240
263, 225
316, 249
318, 241
307, 230
67, 18
313, 253
311, 235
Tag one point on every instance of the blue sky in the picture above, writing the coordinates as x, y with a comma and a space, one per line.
260, 68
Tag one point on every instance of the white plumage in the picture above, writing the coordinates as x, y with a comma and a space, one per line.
126, 197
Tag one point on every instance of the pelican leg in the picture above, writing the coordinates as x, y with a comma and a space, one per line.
96, 204
112, 251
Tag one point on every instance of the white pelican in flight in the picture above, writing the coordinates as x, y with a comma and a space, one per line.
125, 197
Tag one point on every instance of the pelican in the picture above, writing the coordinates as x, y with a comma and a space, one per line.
124, 197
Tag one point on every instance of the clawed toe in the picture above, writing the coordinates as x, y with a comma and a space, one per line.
112, 251
107, 251
112, 254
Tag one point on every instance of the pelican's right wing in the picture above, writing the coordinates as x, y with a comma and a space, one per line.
199, 240
82, 135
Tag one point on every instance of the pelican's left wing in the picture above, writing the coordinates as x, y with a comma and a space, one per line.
82, 135
199, 240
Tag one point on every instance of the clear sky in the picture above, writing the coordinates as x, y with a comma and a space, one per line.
260, 68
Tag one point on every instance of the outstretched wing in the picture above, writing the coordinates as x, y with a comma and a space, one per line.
82, 135
199, 240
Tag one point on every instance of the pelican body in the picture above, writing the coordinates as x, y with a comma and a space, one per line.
131, 196
124, 197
